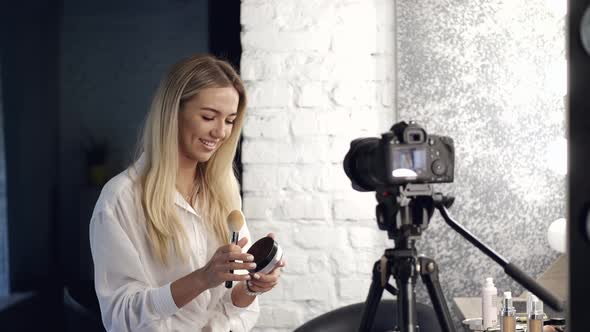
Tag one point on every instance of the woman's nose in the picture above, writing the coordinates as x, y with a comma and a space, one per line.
219, 131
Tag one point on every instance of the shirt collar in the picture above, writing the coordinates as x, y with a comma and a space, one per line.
181, 202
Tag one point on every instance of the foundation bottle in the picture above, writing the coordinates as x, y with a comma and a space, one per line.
534, 314
507, 316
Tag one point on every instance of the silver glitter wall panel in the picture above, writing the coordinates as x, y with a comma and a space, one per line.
490, 74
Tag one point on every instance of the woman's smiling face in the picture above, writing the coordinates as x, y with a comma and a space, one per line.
205, 121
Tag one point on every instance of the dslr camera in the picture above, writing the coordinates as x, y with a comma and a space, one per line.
405, 154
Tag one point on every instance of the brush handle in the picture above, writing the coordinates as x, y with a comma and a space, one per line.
234, 240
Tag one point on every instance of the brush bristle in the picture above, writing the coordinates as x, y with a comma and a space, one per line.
235, 220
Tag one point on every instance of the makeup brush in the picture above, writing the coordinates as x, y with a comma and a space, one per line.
235, 220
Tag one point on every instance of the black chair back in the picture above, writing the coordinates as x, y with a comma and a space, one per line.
347, 319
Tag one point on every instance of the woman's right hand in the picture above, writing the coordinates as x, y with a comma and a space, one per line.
217, 270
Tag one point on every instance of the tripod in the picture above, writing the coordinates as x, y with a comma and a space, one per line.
404, 213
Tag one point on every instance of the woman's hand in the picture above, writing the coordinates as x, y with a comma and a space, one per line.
217, 270
262, 282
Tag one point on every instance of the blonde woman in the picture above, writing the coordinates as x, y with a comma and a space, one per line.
159, 235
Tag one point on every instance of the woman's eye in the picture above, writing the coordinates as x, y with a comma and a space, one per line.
207, 118
229, 122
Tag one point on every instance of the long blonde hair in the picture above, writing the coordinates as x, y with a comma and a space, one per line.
219, 189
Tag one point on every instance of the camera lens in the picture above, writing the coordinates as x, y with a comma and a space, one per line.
363, 164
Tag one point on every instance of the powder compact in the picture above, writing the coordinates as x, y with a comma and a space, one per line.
267, 253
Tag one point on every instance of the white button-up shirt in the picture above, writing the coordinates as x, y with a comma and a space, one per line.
133, 287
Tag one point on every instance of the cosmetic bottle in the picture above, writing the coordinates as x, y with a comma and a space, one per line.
507, 316
489, 304
535, 314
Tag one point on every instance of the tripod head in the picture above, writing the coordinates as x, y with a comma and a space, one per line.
405, 210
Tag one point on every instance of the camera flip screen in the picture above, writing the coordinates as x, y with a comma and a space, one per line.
408, 162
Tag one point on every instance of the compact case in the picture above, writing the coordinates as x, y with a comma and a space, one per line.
267, 253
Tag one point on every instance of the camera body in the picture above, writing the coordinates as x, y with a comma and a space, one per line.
405, 154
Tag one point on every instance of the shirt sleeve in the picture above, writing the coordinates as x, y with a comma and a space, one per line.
241, 319
127, 301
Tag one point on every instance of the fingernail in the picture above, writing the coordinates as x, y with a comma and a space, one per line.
250, 257
256, 276
247, 277
252, 265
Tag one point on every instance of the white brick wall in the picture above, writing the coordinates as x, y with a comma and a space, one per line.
319, 73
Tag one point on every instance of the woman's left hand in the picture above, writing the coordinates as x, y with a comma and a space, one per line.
263, 282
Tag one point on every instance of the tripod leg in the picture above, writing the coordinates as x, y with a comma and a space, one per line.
374, 297
429, 274
405, 277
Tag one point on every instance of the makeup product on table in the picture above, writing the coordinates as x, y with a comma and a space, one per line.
235, 221
507, 316
535, 314
489, 306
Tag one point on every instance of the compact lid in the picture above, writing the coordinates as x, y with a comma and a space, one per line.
263, 250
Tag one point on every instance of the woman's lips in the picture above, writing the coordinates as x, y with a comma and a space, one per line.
209, 145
